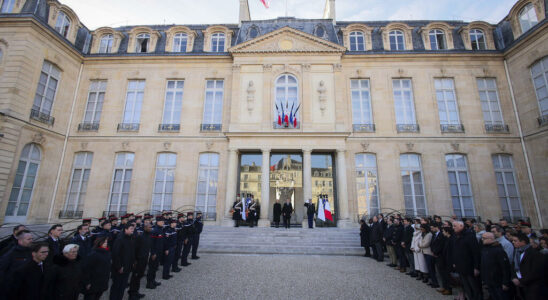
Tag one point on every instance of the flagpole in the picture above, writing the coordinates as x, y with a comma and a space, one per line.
286, 8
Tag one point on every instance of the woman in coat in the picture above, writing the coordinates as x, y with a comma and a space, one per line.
96, 269
424, 245
64, 280
420, 263
364, 237
277, 212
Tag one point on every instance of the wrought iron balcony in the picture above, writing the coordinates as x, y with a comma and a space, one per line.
452, 128
363, 127
41, 117
70, 214
285, 126
117, 214
211, 127
88, 126
407, 127
169, 127
128, 127
497, 128
542, 120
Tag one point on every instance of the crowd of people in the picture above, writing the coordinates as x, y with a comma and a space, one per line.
482, 260
88, 262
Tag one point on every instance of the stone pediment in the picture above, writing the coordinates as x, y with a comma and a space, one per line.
287, 40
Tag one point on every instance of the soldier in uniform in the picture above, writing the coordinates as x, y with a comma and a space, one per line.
237, 211
169, 248
188, 232
123, 258
114, 228
198, 227
287, 210
180, 242
252, 212
310, 211
139, 223
143, 242
156, 252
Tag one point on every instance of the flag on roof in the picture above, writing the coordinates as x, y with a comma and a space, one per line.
266, 3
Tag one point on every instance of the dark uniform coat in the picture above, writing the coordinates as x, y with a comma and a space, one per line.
277, 212
96, 270
64, 281
28, 282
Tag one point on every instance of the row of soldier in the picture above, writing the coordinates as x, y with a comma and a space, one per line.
86, 262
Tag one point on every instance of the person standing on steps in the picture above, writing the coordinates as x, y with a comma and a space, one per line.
310, 211
287, 210
237, 211
277, 212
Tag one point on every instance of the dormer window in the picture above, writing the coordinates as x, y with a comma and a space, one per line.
106, 43
437, 39
357, 41
180, 41
397, 40
477, 40
253, 32
218, 42
527, 18
7, 6
141, 43
319, 31
62, 24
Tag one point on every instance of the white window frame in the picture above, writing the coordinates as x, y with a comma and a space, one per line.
134, 96
218, 40
436, 36
180, 42
478, 40
106, 43
124, 167
285, 99
208, 169
163, 164
487, 91
81, 181
410, 170
457, 171
527, 17
443, 103
209, 102
62, 24
395, 35
7, 6
497, 158
355, 44
139, 39
170, 110
51, 72
364, 101
368, 186
409, 116
28, 160
544, 74
96, 96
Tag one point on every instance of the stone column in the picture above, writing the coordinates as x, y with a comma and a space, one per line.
264, 221
307, 180
231, 182
342, 190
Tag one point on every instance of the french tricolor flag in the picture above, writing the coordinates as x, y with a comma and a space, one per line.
265, 3
324, 211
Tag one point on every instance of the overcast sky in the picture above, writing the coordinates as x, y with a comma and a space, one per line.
113, 13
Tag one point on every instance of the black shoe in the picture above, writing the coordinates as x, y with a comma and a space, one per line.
195, 257
167, 277
157, 283
185, 264
176, 270
151, 286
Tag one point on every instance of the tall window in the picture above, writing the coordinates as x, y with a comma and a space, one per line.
162, 195
437, 39
142, 43
490, 104
397, 40
47, 88
213, 105
361, 101
179, 42
403, 101
507, 186
62, 24
539, 71
477, 39
218, 42
121, 181
96, 97
134, 101
527, 17
106, 43
206, 195
367, 184
23, 184
447, 101
7, 6
459, 184
173, 102
357, 41
78, 183
413, 187
287, 102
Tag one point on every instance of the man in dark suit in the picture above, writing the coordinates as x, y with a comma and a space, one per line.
28, 281
287, 210
310, 211
14, 259
529, 267
123, 261
376, 239
54, 243
276, 213
465, 258
10, 242
437, 245
81, 239
407, 238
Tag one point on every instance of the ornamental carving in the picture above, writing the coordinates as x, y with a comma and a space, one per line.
322, 97
125, 145
410, 146
38, 138
365, 146
167, 145
502, 147
84, 146
455, 146
209, 145
250, 96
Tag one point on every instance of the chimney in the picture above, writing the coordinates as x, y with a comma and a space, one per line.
244, 11
329, 10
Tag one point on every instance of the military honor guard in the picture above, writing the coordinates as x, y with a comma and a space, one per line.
198, 227
156, 252
170, 243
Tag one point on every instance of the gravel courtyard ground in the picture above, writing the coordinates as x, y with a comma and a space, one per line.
232, 276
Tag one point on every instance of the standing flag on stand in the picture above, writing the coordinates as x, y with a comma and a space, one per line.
244, 208
265, 3
324, 211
